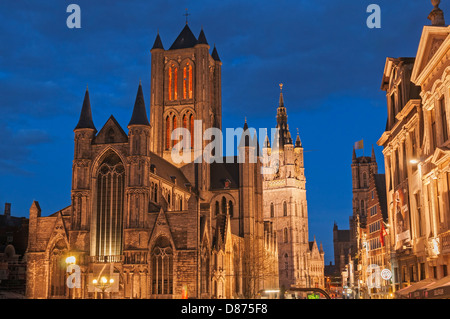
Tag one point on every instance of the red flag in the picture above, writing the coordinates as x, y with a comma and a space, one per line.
382, 234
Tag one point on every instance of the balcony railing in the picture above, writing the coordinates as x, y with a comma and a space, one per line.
106, 259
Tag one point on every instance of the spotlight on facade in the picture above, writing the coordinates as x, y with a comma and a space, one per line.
70, 260
414, 161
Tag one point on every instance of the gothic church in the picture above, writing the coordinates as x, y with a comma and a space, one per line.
151, 227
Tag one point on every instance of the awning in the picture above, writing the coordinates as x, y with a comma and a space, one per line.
439, 289
409, 292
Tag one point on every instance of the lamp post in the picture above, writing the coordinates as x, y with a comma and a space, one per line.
103, 284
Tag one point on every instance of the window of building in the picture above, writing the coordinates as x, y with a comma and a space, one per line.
422, 271
224, 205
397, 168
284, 209
433, 128
187, 81
419, 213
109, 206
285, 235
230, 208
373, 210
444, 119
167, 132
272, 210
162, 267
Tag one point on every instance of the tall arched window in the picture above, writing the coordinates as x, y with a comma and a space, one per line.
191, 129
224, 205
187, 81
174, 126
272, 210
217, 210
173, 82
364, 180
363, 208
109, 206
284, 209
167, 132
58, 269
285, 235
162, 267
230, 208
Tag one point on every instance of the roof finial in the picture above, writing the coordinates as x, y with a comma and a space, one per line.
281, 87
186, 15
437, 15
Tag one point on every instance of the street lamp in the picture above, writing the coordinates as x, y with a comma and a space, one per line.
103, 284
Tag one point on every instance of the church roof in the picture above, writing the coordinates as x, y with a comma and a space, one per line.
139, 116
166, 170
158, 43
214, 54
186, 39
223, 172
85, 120
202, 38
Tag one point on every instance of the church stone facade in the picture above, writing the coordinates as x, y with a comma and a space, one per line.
161, 229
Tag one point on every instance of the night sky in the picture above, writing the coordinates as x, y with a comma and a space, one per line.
329, 61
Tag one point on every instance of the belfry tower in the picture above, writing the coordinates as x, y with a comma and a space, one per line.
185, 86
285, 204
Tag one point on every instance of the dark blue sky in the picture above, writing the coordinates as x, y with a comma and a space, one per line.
331, 65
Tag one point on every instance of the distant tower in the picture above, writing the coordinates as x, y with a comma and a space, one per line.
363, 168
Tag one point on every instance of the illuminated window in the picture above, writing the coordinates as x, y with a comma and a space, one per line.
190, 81
162, 267
191, 130
170, 83
109, 207
173, 83
167, 132
174, 126
187, 81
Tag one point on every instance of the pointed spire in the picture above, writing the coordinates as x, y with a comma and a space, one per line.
437, 15
139, 116
85, 120
373, 155
158, 43
354, 155
267, 141
281, 102
298, 142
202, 38
214, 54
245, 138
186, 39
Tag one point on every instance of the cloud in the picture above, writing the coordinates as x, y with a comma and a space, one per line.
16, 149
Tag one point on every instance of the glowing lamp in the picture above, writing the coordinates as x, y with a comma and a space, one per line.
70, 260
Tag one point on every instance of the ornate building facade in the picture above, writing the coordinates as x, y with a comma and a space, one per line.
416, 150
157, 228
301, 262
